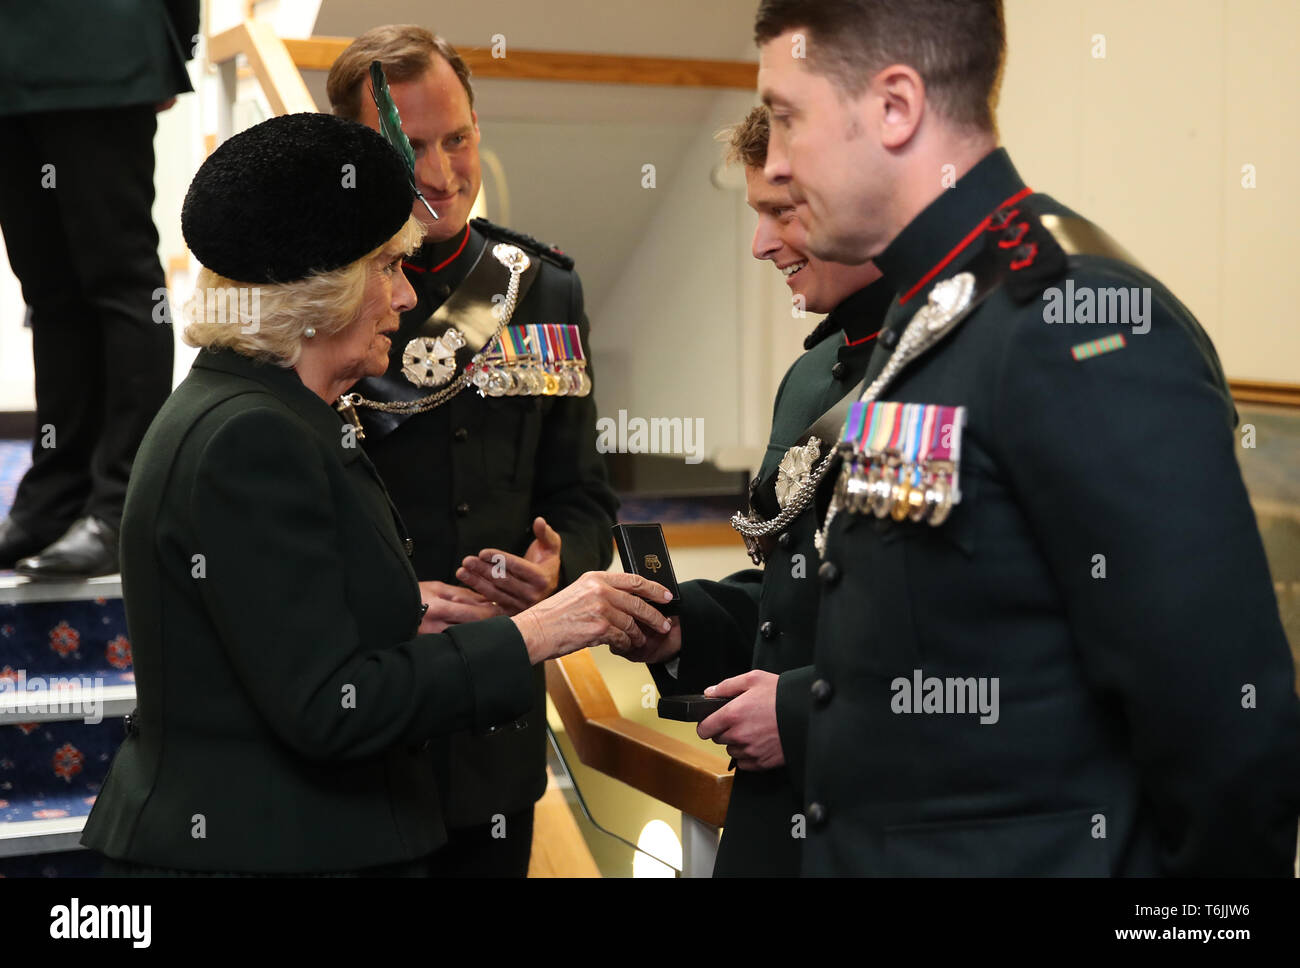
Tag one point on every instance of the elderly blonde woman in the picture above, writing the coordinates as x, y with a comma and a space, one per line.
285, 696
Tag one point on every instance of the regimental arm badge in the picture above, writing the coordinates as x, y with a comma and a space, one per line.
431, 362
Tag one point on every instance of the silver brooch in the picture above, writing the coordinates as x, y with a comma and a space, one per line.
429, 362
795, 469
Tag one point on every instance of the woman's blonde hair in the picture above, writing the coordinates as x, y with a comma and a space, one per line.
267, 321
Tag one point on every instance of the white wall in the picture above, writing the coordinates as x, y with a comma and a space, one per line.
1149, 141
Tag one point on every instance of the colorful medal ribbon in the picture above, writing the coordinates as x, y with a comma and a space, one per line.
901, 460
538, 359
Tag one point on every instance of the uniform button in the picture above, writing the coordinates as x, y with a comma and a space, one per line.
889, 338
767, 630
784, 540
821, 692
816, 814
443, 290
839, 371
462, 509
461, 434
408, 544
829, 573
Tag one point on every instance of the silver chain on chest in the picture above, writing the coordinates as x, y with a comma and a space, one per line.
514, 259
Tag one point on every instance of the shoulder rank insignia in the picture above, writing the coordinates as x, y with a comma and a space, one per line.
548, 252
1096, 347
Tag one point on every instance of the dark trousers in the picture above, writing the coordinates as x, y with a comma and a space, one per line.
474, 852
86, 252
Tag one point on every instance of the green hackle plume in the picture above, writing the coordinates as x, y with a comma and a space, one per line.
390, 126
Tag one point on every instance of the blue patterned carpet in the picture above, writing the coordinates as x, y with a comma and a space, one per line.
15, 458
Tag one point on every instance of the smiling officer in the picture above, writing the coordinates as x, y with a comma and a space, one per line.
1037, 517
494, 468
754, 629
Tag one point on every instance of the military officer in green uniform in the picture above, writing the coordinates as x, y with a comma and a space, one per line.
750, 635
1047, 641
483, 428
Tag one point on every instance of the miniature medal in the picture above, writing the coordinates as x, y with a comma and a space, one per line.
901, 460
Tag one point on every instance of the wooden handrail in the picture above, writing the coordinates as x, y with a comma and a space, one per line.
1262, 391
682, 776
318, 53
270, 61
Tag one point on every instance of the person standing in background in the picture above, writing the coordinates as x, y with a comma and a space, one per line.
1047, 640
505, 496
750, 636
80, 87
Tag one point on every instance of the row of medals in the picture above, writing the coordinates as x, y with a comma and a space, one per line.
430, 362
498, 378
883, 485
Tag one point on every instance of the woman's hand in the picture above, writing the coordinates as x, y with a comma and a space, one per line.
452, 605
600, 607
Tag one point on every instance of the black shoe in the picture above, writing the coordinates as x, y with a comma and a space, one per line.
87, 549
17, 542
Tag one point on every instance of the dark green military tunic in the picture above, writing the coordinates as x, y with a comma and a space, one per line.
286, 704
764, 619
474, 473
1103, 569
64, 54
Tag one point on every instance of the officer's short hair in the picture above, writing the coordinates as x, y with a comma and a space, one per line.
957, 46
747, 141
327, 301
406, 51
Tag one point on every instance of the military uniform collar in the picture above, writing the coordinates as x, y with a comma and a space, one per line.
287, 387
858, 316
945, 229
448, 262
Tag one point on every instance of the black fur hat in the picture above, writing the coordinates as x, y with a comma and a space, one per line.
293, 196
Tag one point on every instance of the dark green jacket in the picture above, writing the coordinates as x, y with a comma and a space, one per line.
285, 701
1103, 568
63, 54
473, 473
766, 619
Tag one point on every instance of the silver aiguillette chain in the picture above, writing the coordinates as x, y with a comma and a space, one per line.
514, 259
932, 322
